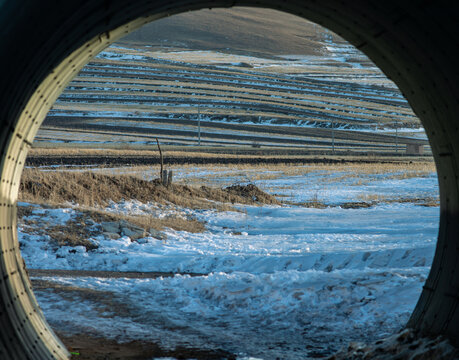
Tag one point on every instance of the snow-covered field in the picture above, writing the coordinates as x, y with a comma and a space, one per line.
288, 282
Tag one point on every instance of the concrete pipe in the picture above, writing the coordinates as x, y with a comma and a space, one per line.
43, 44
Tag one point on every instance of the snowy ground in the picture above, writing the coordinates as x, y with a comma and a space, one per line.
286, 282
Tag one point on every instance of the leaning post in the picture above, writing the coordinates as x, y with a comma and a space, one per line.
161, 176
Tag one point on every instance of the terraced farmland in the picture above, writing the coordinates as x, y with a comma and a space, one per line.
134, 96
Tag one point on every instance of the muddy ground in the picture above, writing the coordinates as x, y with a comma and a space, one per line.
84, 347
137, 160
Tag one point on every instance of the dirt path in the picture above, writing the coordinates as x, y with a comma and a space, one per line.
86, 347
89, 346
104, 274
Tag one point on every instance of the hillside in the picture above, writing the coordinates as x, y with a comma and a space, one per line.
239, 30
234, 78
204, 97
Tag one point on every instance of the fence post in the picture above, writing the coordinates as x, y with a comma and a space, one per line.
169, 178
161, 173
164, 177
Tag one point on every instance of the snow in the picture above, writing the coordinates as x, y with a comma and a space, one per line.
278, 281
271, 239
336, 188
112, 55
365, 93
246, 311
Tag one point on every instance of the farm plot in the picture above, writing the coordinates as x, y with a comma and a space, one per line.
342, 258
171, 95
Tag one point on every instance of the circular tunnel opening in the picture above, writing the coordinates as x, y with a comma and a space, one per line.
310, 256
18, 143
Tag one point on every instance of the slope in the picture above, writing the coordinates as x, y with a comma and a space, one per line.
239, 30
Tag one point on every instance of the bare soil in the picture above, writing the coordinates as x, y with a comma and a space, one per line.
84, 347
102, 274
136, 160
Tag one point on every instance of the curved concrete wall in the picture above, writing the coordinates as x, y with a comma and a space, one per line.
44, 43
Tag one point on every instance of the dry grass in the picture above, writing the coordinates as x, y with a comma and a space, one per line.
186, 95
172, 151
78, 230
375, 199
367, 202
254, 173
148, 222
88, 189
91, 189
185, 90
223, 90
74, 232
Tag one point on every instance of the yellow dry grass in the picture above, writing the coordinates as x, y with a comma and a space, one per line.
362, 104
89, 192
92, 189
147, 222
190, 94
402, 170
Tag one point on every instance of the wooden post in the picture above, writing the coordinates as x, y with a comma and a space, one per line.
169, 178
161, 160
164, 178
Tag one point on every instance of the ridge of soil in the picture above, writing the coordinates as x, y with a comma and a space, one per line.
133, 160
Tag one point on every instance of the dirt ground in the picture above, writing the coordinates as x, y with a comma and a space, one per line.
84, 347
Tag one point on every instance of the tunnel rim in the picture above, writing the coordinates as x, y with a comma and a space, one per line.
17, 137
